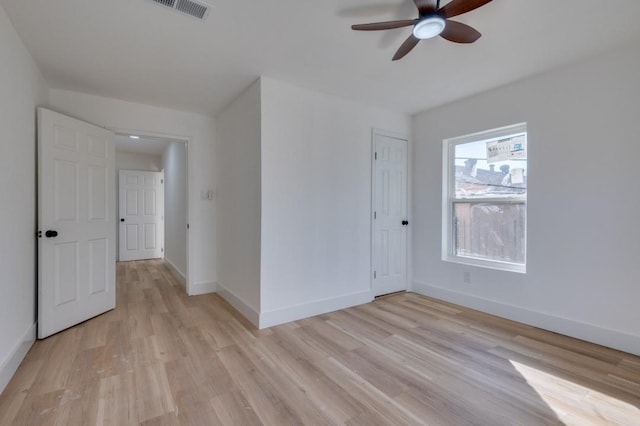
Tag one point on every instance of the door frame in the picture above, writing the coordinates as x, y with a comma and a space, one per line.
408, 249
120, 216
190, 196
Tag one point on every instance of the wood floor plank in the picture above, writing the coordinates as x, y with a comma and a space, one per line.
233, 409
163, 358
269, 404
116, 406
303, 370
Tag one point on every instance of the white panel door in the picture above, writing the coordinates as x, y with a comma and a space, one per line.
76, 226
390, 219
141, 196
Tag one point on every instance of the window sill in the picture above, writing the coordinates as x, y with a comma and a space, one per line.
488, 264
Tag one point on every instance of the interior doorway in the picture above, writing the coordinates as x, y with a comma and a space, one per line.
158, 165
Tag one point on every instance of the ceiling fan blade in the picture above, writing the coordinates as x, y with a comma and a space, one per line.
426, 6
459, 32
406, 47
376, 26
458, 7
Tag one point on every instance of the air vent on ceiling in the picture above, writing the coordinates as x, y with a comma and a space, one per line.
194, 8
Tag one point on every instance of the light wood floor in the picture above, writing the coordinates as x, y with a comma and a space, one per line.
162, 358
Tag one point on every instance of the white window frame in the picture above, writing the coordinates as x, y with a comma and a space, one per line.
449, 199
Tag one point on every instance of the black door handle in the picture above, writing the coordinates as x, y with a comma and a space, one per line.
51, 234
405, 222
121, 220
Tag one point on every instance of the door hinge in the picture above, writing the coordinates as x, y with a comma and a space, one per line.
375, 275
161, 180
162, 250
375, 215
376, 156
187, 226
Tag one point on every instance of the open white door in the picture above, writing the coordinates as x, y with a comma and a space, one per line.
141, 199
390, 219
76, 249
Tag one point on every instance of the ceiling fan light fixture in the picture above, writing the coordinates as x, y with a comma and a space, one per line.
429, 27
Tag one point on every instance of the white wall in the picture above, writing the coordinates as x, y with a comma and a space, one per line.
239, 202
316, 200
135, 161
21, 90
583, 229
174, 163
154, 121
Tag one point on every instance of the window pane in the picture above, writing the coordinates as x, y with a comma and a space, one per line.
490, 231
478, 177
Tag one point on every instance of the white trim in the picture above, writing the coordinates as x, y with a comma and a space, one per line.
247, 311
448, 198
190, 191
205, 287
319, 307
408, 199
485, 263
388, 133
372, 206
580, 330
121, 176
489, 135
164, 212
190, 199
177, 273
15, 356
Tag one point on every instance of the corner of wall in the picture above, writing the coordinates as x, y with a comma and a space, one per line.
318, 307
248, 311
196, 289
176, 272
10, 364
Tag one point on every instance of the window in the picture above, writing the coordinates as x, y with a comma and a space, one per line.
485, 199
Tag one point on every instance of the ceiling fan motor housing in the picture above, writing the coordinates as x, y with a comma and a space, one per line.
429, 26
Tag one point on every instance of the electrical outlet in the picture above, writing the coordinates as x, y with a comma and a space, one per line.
466, 277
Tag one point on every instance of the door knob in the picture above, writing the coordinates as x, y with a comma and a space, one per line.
121, 220
405, 222
51, 234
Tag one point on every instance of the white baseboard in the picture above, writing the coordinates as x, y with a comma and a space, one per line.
592, 333
206, 287
247, 311
319, 307
194, 289
176, 272
11, 363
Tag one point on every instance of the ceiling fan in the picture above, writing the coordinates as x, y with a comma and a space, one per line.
432, 21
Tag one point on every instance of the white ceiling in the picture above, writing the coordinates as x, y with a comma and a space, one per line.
139, 51
144, 145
